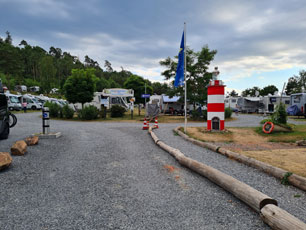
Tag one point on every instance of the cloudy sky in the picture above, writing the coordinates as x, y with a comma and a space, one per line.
259, 42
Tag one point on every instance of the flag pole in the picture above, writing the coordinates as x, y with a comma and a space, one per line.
185, 128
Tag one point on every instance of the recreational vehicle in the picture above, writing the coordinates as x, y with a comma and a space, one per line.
268, 103
248, 104
31, 102
169, 105
298, 100
116, 96
13, 102
21, 88
34, 89
231, 102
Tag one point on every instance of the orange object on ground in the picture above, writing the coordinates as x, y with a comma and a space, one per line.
156, 123
268, 127
145, 125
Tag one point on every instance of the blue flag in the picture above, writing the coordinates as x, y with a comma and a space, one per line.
179, 77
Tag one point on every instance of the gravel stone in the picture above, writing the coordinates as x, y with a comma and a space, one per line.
102, 175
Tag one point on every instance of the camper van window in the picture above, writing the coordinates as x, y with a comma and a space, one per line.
272, 99
287, 102
297, 99
29, 100
233, 100
14, 99
114, 100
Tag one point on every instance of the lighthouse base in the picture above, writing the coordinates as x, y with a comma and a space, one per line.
215, 125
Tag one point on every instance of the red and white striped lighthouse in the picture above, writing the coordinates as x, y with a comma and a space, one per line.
215, 103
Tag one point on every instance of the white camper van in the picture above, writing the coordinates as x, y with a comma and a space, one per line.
32, 103
268, 103
117, 96
231, 102
248, 104
299, 100
13, 102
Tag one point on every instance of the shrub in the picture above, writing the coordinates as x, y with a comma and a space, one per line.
54, 109
228, 112
117, 111
195, 114
89, 113
199, 116
280, 114
67, 112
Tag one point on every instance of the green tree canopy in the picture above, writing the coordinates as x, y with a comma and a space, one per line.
159, 88
270, 89
137, 83
233, 93
197, 75
296, 83
48, 72
251, 91
80, 86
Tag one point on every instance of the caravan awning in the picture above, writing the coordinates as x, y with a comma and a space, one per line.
252, 98
167, 99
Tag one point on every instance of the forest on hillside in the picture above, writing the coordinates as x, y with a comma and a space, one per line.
31, 65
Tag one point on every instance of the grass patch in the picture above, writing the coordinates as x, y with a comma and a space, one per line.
298, 133
28, 111
285, 180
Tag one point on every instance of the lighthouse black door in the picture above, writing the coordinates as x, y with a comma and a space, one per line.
215, 123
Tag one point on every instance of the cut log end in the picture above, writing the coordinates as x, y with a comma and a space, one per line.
267, 201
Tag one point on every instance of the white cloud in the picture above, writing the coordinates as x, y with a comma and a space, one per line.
119, 52
43, 8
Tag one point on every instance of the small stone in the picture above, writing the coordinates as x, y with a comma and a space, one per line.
301, 143
32, 140
19, 148
5, 160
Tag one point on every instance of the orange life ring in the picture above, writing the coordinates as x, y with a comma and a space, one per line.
268, 127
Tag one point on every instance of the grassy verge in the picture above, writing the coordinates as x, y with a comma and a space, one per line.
252, 142
28, 111
139, 117
298, 133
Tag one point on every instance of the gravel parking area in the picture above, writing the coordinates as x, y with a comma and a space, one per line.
290, 198
112, 176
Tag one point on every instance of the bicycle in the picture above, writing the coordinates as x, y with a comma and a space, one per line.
12, 120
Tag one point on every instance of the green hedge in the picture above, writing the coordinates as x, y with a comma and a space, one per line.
88, 113
54, 109
117, 111
67, 112
228, 112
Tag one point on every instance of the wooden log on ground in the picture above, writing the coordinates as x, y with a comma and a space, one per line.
154, 137
278, 218
295, 180
274, 216
196, 142
242, 191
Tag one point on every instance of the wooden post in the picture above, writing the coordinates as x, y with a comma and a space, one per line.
296, 180
278, 218
242, 191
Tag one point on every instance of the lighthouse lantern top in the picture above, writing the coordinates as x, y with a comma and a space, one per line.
215, 74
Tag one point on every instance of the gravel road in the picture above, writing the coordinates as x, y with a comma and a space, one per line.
112, 176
